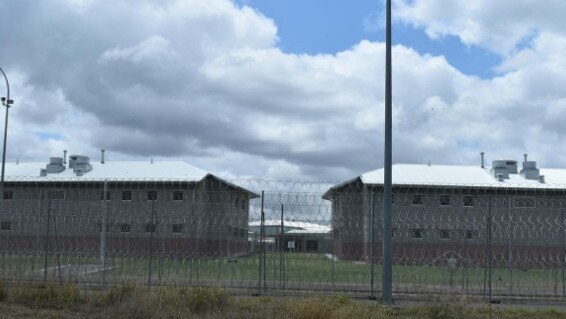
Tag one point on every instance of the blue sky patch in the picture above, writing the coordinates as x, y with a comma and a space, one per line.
322, 26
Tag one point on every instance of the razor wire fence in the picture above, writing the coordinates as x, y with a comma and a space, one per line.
260, 235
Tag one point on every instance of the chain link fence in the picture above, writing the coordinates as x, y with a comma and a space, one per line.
262, 236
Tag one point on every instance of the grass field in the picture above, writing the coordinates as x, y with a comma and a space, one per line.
127, 301
314, 271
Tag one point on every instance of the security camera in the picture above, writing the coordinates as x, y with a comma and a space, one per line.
3, 99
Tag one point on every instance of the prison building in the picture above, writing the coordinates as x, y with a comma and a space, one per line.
291, 236
477, 214
121, 208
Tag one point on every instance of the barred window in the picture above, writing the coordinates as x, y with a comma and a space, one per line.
107, 195
152, 195
99, 227
444, 200
8, 194
177, 228
416, 233
417, 199
6, 225
444, 233
524, 202
125, 228
178, 195
127, 195
237, 202
468, 201
150, 228
57, 194
470, 234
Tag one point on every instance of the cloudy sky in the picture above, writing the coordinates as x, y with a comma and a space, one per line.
285, 89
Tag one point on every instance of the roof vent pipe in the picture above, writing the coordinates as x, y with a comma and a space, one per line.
525, 155
482, 160
102, 160
64, 157
541, 179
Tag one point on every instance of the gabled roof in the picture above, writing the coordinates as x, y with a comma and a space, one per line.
112, 170
116, 171
456, 175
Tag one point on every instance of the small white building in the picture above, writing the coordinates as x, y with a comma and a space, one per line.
290, 235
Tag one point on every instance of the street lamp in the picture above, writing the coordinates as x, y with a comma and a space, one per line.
7, 103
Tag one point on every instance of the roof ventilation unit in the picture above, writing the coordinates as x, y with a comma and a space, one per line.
80, 163
500, 169
55, 165
511, 167
42, 172
530, 170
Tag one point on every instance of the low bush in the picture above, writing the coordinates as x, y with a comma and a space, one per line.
3, 293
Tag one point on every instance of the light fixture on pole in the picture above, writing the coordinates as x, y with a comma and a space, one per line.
7, 102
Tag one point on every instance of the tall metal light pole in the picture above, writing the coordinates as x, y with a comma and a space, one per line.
387, 279
7, 103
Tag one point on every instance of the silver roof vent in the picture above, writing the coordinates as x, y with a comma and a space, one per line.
499, 169
55, 165
80, 163
511, 166
530, 170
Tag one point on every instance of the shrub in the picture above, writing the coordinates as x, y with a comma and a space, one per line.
197, 300
3, 293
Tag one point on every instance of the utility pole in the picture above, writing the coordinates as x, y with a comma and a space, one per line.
387, 280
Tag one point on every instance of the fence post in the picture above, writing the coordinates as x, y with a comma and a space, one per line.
489, 248
282, 251
152, 230
103, 231
372, 246
261, 244
47, 236
466, 249
562, 250
511, 235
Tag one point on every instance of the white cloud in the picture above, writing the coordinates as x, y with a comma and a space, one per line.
499, 25
204, 81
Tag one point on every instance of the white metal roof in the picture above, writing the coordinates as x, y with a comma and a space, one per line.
458, 175
299, 227
111, 170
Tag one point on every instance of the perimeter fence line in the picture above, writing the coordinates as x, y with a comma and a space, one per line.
472, 240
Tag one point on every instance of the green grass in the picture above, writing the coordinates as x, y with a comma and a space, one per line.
300, 269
